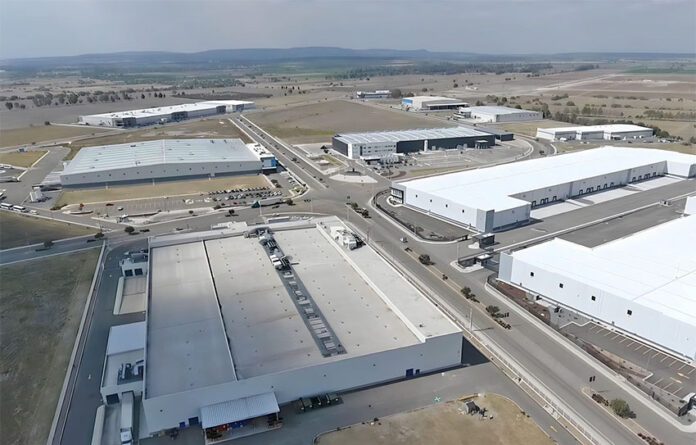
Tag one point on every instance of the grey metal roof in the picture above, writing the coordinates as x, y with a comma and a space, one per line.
163, 151
239, 409
409, 135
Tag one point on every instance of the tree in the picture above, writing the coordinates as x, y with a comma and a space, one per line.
620, 408
396, 93
48, 244
289, 202
493, 310
190, 212
231, 211
424, 258
99, 235
466, 291
129, 229
9, 105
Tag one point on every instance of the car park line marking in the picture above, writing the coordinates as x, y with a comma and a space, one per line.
653, 356
629, 345
623, 340
663, 359
681, 367
683, 375
646, 351
668, 385
672, 364
692, 370
638, 347
677, 380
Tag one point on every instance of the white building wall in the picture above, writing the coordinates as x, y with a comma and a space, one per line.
428, 203
380, 149
97, 121
147, 172
337, 375
609, 135
606, 307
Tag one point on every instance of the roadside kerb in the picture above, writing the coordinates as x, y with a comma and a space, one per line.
596, 364
79, 344
581, 429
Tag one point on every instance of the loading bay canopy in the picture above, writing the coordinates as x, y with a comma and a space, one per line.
240, 409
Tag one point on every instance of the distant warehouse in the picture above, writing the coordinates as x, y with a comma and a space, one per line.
379, 94
431, 103
594, 132
384, 143
499, 114
158, 115
501, 197
164, 159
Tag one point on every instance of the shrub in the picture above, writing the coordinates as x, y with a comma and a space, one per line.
129, 229
620, 408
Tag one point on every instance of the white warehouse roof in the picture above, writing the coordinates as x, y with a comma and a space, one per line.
491, 188
163, 151
495, 110
409, 135
610, 128
655, 268
166, 110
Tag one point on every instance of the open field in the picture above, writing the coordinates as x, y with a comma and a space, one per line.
219, 128
444, 424
318, 122
159, 189
40, 133
21, 159
22, 230
41, 305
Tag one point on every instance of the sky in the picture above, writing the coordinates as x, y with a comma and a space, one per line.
36, 28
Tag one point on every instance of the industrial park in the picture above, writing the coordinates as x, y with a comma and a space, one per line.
322, 245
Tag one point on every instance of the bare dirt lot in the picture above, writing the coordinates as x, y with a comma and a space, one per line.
20, 136
22, 230
203, 129
160, 189
21, 159
318, 122
41, 305
446, 423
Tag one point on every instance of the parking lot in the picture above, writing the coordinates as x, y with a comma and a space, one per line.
668, 372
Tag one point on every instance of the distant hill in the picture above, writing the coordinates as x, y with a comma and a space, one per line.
261, 56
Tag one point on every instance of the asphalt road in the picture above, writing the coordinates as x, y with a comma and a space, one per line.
533, 347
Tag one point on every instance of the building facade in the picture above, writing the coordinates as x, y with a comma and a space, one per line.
161, 115
431, 103
501, 197
643, 284
385, 143
164, 159
498, 114
594, 132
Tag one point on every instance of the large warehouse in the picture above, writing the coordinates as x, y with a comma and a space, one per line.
499, 114
230, 340
431, 103
383, 143
594, 132
501, 197
643, 284
159, 115
164, 159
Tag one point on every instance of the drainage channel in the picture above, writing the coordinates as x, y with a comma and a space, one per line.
316, 323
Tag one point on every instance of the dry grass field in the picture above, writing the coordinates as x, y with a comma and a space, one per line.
21, 159
219, 128
42, 133
318, 122
159, 189
446, 424
23, 230
41, 305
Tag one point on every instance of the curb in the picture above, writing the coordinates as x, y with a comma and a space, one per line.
73, 355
